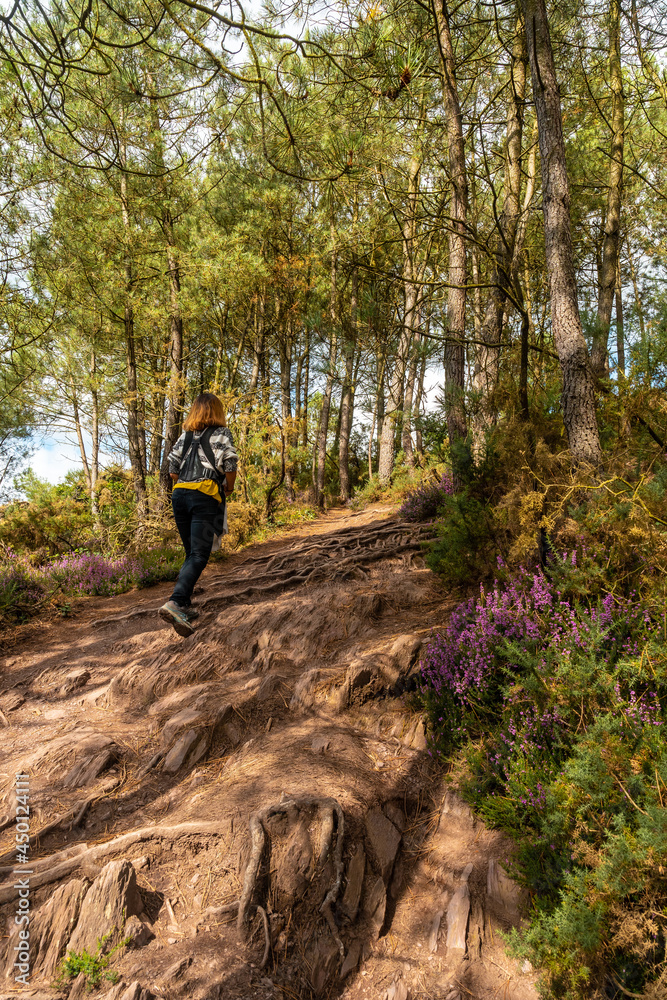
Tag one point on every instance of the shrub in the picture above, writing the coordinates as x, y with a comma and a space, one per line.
555, 699
423, 503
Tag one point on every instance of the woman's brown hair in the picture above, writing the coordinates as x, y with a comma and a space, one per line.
206, 411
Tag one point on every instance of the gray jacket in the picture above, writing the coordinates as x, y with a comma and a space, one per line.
198, 466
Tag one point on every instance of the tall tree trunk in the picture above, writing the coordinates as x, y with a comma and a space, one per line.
410, 382
306, 376
133, 421
611, 244
79, 437
419, 446
347, 394
578, 397
320, 450
95, 435
456, 298
487, 355
620, 342
285, 352
323, 428
176, 389
396, 388
220, 351
377, 414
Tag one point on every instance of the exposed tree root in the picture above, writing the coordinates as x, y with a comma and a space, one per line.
310, 573
51, 869
73, 817
305, 562
327, 807
267, 937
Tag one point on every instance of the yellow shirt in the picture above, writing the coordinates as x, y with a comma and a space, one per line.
204, 486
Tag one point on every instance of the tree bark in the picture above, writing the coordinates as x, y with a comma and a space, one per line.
395, 396
320, 450
611, 244
620, 341
578, 398
347, 393
456, 300
487, 358
79, 437
95, 434
132, 399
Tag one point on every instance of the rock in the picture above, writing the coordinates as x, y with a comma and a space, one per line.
179, 699
455, 808
527, 968
138, 931
323, 959
369, 605
435, 930
185, 719
376, 905
384, 840
94, 752
398, 991
180, 750
358, 675
232, 733
75, 679
176, 969
133, 992
11, 701
50, 928
304, 690
320, 744
457, 921
351, 960
396, 815
264, 640
418, 741
504, 893
267, 687
476, 931
78, 988
112, 898
355, 881
405, 650
143, 862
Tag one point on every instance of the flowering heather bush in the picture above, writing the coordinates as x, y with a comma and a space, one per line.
95, 574
423, 503
24, 587
557, 704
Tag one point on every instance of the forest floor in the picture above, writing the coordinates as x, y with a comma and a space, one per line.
252, 809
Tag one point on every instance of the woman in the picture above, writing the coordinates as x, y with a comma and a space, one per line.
203, 465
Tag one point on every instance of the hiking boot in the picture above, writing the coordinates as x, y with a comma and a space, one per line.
190, 611
176, 616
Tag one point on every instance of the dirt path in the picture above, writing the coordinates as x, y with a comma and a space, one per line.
254, 806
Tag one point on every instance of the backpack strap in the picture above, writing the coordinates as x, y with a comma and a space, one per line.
205, 442
187, 444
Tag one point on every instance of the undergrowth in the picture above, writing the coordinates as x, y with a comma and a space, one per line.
548, 688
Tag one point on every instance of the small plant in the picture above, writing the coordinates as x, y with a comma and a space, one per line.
94, 967
423, 503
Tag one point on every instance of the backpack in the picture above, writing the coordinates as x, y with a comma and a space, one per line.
205, 442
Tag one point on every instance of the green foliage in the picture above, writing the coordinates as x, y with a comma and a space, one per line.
94, 967
470, 535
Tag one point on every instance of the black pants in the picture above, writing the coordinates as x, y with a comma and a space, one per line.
199, 518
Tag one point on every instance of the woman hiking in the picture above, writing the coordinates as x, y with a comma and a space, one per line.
203, 465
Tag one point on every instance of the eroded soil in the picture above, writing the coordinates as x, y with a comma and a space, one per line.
253, 807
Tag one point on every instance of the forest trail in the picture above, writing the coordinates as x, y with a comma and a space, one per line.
257, 801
